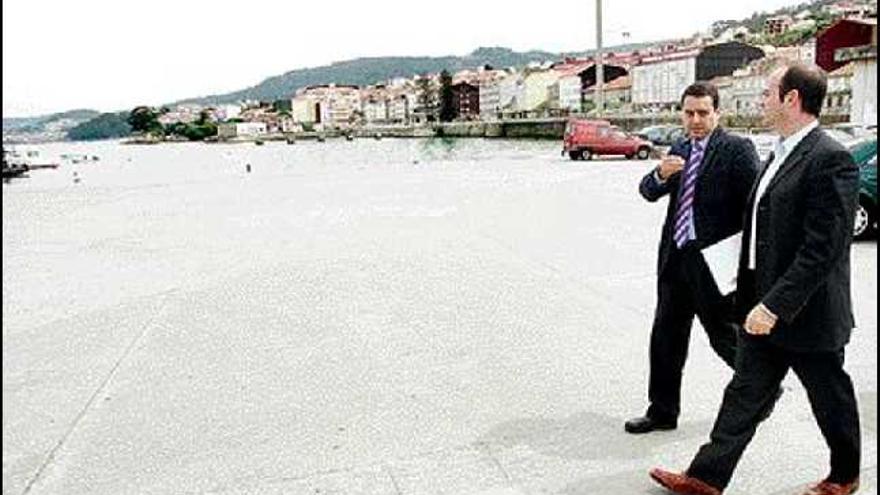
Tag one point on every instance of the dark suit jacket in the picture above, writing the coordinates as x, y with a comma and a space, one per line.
729, 168
805, 228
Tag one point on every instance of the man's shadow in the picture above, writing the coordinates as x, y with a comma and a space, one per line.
586, 436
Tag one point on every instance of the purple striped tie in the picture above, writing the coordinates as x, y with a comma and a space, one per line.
684, 215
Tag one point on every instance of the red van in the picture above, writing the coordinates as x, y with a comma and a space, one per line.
585, 138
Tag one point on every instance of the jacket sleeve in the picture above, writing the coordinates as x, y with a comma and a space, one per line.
828, 229
651, 189
745, 169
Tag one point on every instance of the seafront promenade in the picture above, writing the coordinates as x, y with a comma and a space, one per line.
368, 318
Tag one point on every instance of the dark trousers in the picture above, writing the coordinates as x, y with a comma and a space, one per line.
760, 369
685, 289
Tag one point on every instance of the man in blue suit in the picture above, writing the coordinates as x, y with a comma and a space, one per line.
707, 177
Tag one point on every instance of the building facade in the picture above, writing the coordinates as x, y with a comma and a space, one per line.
863, 83
845, 33
466, 101
660, 79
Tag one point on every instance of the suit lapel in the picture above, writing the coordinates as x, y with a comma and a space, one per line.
796, 156
747, 214
711, 146
751, 198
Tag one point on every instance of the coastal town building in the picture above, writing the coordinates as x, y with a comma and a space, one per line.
733, 33
659, 79
839, 95
374, 104
744, 95
617, 94
327, 105
864, 81
847, 8
569, 88
777, 24
423, 98
466, 101
228, 130
499, 94
844, 33
570, 91
264, 114
399, 103
724, 84
185, 114
226, 112
535, 92
304, 110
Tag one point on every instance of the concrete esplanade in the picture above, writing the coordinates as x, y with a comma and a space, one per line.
348, 320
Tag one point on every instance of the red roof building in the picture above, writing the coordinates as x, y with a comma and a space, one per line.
844, 33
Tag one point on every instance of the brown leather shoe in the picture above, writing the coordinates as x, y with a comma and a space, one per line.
828, 488
683, 484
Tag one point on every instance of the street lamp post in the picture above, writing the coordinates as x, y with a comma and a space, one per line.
600, 69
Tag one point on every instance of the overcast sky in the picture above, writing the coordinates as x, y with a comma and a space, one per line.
111, 55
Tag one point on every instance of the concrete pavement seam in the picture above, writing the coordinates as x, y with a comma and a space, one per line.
394, 482
79, 417
487, 451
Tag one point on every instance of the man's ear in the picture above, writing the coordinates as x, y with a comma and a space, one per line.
792, 96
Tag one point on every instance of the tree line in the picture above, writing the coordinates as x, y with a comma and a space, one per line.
437, 103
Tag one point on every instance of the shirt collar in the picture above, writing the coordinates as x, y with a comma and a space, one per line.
784, 146
702, 142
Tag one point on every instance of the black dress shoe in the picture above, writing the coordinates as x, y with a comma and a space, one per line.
647, 424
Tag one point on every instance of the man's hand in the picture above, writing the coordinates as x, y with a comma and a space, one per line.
670, 165
760, 321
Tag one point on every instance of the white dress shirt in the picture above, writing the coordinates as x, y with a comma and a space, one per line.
780, 154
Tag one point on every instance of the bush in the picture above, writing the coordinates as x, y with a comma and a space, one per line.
104, 126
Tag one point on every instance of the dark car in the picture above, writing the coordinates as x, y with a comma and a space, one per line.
661, 135
864, 152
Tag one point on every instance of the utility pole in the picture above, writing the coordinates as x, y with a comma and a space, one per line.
600, 69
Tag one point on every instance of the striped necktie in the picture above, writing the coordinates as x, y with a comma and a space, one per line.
684, 215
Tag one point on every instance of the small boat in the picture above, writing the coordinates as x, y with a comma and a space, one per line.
11, 170
77, 158
27, 159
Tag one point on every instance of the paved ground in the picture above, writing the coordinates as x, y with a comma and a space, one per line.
456, 328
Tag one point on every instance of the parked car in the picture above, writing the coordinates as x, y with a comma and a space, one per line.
661, 135
840, 136
584, 139
864, 152
857, 130
765, 142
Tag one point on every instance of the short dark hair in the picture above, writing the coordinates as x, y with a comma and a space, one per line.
700, 89
811, 84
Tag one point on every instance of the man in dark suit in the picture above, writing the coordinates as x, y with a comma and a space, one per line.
794, 283
707, 177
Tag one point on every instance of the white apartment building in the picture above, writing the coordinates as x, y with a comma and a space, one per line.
241, 129
570, 92
863, 83
328, 105
660, 79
